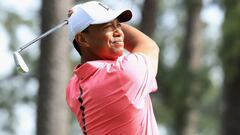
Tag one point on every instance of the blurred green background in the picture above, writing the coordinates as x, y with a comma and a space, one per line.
198, 77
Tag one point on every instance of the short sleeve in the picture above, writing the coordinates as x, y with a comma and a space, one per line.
72, 94
137, 75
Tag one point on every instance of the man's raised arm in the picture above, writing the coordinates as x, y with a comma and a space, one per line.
137, 42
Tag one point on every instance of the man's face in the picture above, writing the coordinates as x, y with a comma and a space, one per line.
105, 40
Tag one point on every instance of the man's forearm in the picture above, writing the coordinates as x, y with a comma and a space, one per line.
136, 40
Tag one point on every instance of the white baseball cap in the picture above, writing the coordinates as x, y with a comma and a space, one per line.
93, 12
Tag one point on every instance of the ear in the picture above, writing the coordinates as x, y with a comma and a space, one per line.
81, 40
70, 12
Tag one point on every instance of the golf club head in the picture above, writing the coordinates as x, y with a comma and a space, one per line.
21, 65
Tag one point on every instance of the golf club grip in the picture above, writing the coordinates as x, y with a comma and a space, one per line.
43, 35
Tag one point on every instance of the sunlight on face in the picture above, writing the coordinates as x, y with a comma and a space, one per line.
106, 40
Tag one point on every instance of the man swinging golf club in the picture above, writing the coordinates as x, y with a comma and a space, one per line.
109, 92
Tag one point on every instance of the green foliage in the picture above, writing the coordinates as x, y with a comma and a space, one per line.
170, 102
210, 111
176, 82
13, 88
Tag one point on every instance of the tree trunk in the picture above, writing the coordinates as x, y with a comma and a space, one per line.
187, 119
53, 117
149, 17
230, 56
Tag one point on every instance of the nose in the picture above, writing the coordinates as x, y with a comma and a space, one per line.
118, 32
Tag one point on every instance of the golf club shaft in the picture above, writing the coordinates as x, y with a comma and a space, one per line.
43, 35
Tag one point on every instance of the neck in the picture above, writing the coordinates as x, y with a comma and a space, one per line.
86, 58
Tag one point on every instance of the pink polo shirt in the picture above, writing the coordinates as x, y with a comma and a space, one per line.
112, 97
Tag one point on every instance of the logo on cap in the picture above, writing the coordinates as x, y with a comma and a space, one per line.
104, 6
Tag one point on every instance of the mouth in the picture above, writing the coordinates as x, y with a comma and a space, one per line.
117, 43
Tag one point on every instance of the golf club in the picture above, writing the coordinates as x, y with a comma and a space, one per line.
20, 63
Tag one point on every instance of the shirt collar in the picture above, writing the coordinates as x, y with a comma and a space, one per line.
85, 70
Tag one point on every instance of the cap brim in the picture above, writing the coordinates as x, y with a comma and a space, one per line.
125, 16
121, 15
